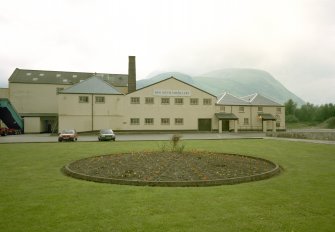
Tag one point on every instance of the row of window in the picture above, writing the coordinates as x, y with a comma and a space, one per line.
98, 99
150, 121
166, 101
241, 109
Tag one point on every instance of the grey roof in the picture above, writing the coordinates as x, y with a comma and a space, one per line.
63, 78
93, 85
227, 116
228, 99
259, 100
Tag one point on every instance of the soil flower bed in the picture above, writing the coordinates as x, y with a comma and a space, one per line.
172, 169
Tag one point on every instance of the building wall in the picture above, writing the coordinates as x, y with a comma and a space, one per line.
4, 93
189, 113
251, 114
34, 98
117, 111
32, 125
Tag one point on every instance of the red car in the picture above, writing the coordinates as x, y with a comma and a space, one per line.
68, 135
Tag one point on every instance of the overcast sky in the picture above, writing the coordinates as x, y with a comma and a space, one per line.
294, 40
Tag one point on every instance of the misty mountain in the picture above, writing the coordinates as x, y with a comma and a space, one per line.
239, 82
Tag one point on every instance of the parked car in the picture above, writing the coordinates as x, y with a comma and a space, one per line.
3, 131
68, 135
106, 134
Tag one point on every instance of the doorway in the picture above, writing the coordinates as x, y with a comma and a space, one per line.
204, 124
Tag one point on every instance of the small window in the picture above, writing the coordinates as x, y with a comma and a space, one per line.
194, 101
58, 90
134, 121
207, 101
178, 121
74, 76
35, 79
28, 74
149, 100
260, 109
178, 101
83, 99
135, 100
165, 121
246, 121
41, 74
278, 110
149, 121
241, 109
99, 99
58, 75
277, 124
65, 80
165, 101
222, 109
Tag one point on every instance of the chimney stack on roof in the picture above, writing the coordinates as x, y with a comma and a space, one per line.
131, 74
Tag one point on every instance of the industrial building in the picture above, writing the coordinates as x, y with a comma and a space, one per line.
49, 101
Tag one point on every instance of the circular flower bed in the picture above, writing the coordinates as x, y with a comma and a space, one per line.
172, 169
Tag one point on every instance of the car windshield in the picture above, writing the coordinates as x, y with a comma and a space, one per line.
106, 131
68, 132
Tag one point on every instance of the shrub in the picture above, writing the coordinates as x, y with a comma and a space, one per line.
330, 123
291, 118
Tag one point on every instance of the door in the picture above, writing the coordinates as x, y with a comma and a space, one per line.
204, 124
225, 125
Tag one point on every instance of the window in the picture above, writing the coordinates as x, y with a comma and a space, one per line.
149, 121
165, 101
241, 109
165, 121
277, 124
207, 101
83, 99
41, 74
278, 110
58, 90
134, 121
149, 100
178, 101
99, 99
222, 109
178, 121
260, 109
58, 75
28, 74
194, 101
135, 100
246, 121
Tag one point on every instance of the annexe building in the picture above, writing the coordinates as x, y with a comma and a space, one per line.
50, 101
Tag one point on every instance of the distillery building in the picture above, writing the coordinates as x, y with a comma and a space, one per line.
49, 101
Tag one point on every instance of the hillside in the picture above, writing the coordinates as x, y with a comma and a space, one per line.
239, 82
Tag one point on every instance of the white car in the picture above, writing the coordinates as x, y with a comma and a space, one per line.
106, 134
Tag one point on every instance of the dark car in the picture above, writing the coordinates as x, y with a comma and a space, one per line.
68, 135
106, 135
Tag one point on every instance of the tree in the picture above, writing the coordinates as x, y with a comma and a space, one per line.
290, 107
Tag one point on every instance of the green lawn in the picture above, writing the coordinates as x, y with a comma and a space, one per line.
36, 196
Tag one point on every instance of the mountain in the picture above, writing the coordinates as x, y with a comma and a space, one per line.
239, 82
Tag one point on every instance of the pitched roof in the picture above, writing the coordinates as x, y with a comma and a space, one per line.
93, 85
257, 99
228, 99
63, 78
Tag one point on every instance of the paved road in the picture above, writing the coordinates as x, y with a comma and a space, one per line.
43, 138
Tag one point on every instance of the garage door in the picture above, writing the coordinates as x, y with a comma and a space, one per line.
204, 124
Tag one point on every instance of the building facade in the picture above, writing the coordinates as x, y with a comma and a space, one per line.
50, 101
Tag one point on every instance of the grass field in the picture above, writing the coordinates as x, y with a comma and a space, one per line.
36, 196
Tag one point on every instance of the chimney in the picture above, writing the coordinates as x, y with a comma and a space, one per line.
131, 74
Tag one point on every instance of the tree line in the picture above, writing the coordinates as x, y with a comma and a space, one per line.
308, 112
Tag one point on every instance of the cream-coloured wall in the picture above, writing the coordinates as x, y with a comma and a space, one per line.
251, 112
32, 125
73, 114
34, 98
189, 113
4, 93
